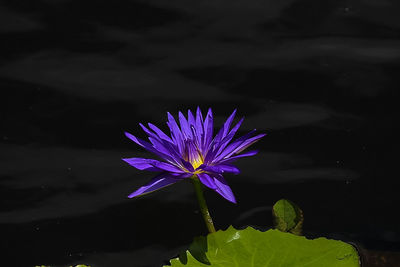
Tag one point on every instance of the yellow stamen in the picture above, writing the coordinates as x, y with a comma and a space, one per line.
197, 162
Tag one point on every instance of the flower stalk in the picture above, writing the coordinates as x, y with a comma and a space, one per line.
203, 205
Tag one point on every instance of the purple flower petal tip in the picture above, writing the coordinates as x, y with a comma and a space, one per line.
192, 148
130, 136
158, 182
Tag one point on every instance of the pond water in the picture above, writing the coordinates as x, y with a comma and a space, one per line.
319, 78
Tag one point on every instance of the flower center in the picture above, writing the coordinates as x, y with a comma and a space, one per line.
193, 154
197, 161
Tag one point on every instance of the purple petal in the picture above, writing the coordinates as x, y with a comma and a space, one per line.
165, 148
158, 143
161, 145
216, 142
141, 164
209, 158
196, 138
228, 168
191, 151
184, 126
149, 132
219, 144
228, 150
199, 125
191, 119
156, 183
147, 146
187, 165
152, 165
246, 154
208, 129
223, 188
228, 123
207, 180
160, 133
229, 137
192, 125
176, 133
247, 143
217, 139
220, 169
199, 115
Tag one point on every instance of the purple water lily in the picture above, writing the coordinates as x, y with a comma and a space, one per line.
191, 151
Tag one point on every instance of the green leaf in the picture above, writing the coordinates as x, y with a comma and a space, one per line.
197, 249
80, 265
288, 217
273, 248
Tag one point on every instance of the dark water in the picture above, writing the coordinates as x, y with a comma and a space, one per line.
319, 77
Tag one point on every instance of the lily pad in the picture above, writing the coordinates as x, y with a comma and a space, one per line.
273, 248
80, 265
288, 217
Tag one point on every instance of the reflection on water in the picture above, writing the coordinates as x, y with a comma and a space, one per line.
319, 79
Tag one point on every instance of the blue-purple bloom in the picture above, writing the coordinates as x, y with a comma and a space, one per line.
191, 150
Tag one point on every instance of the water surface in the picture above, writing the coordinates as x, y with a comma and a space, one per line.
319, 78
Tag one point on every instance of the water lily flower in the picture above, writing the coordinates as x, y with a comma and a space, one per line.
192, 151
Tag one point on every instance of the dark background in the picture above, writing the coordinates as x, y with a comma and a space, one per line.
319, 77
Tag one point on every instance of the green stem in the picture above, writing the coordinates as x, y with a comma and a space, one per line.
203, 205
